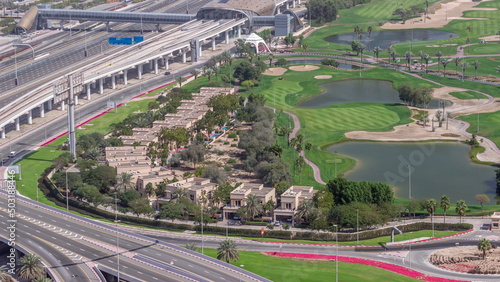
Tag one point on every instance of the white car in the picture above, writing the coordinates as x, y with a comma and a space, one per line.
12, 154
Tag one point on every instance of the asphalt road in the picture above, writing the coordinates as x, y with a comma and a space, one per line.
141, 258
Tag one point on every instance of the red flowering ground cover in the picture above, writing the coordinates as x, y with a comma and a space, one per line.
387, 266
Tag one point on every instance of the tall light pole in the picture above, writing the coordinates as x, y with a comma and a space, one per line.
67, 192
337, 253
117, 242
16, 80
409, 252
201, 223
357, 226
409, 182
36, 186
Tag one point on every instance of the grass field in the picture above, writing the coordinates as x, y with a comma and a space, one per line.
467, 95
481, 87
486, 66
488, 125
286, 269
483, 49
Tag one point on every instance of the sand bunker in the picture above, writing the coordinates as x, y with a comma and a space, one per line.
304, 68
491, 38
443, 45
275, 71
324, 76
448, 11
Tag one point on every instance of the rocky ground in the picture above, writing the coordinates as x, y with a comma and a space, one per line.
468, 260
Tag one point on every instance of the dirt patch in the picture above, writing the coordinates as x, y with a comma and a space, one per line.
304, 68
275, 71
448, 11
324, 76
467, 260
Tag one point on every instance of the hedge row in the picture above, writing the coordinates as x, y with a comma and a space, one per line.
55, 195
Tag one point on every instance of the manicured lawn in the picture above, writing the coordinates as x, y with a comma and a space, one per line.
474, 208
285, 269
375, 241
483, 49
486, 66
481, 87
488, 125
467, 95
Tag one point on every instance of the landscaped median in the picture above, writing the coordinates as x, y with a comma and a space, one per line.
387, 266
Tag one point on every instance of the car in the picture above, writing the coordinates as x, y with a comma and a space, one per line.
167, 73
12, 154
277, 223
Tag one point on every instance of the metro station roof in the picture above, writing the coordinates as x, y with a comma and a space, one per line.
260, 7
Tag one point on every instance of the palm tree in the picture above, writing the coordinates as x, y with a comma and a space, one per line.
195, 73
270, 57
253, 206
369, 29
445, 63
31, 267
361, 48
475, 64
300, 138
305, 47
286, 131
497, 68
209, 73
484, 245
227, 251
124, 181
377, 51
180, 79
179, 194
430, 206
422, 54
192, 247
427, 58
438, 54
457, 61
393, 55
408, 56
4, 275
445, 205
304, 209
299, 163
463, 66
461, 209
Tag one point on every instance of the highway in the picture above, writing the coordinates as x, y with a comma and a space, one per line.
141, 258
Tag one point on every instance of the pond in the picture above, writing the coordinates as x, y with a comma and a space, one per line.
436, 169
358, 90
318, 62
386, 38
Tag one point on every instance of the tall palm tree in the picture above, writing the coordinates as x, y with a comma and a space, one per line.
227, 251
286, 131
445, 63
299, 163
369, 29
192, 247
4, 275
304, 209
361, 49
270, 57
438, 54
422, 54
475, 64
124, 181
300, 138
461, 209
445, 205
427, 58
430, 206
305, 47
408, 56
393, 55
31, 267
195, 73
457, 61
497, 68
253, 205
377, 51
180, 79
484, 245
179, 194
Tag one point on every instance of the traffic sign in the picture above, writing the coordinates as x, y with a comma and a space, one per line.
120, 41
138, 39
262, 231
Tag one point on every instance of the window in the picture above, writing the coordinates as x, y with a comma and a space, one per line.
237, 203
288, 206
191, 197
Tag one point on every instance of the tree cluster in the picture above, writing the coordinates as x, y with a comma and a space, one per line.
247, 71
329, 62
415, 96
345, 192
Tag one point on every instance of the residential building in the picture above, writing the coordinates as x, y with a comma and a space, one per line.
196, 189
290, 201
495, 221
239, 196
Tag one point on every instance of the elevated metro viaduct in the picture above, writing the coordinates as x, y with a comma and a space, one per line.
275, 13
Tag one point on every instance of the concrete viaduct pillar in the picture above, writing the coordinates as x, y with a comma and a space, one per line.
239, 31
226, 35
287, 5
101, 85
18, 126
63, 106
49, 105
113, 81
125, 73
88, 91
42, 110
139, 71
2, 132
151, 64
293, 4
30, 116
165, 62
156, 66
184, 59
201, 49
76, 99
213, 43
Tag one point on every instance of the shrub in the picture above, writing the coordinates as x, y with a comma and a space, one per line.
228, 168
234, 145
220, 153
226, 142
232, 135
231, 161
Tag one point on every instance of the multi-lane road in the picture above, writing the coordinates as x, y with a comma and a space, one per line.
71, 246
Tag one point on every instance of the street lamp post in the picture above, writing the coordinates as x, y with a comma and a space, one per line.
117, 241
357, 226
201, 223
409, 182
337, 253
36, 186
67, 192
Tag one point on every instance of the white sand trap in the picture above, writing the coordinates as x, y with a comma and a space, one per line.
491, 38
443, 45
275, 71
323, 76
304, 68
448, 11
